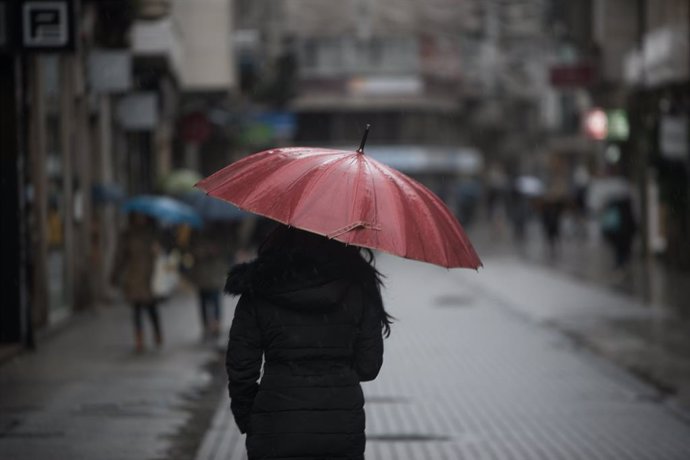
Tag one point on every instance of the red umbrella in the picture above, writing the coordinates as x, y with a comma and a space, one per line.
347, 196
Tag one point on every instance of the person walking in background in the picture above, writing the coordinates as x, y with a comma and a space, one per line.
210, 257
551, 210
312, 308
619, 226
137, 249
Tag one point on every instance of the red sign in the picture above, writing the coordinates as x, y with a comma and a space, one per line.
572, 76
195, 128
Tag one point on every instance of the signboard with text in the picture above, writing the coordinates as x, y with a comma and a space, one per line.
673, 137
47, 25
580, 75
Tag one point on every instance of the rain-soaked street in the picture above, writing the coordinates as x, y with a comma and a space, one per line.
477, 366
520, 168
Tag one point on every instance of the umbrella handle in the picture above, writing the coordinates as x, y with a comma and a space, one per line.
364, 139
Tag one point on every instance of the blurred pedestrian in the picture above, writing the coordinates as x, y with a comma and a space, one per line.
210, 257
551, 211
519, 212
312, 307
137, 250
581, 180
496, 188
467, 195
619, 226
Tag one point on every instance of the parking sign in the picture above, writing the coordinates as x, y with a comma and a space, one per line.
47, 25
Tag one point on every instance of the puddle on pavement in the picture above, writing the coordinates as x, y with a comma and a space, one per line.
201, 405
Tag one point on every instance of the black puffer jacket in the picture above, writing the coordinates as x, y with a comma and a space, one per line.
317, 325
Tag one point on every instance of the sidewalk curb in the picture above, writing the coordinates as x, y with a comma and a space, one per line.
219, 441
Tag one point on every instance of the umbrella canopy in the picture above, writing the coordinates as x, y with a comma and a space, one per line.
107, 193
529, 185
212, 209
179, 181
164, 209
349, 197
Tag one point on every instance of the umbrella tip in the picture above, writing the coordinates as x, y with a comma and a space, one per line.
364, 139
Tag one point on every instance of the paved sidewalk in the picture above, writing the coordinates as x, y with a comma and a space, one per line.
470, 373
640, 319
85, 395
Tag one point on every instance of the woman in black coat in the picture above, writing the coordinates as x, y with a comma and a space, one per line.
311, 308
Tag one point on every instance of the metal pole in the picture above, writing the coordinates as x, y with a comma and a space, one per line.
35, 106
687, 173
642, 142
25, 296
67, 151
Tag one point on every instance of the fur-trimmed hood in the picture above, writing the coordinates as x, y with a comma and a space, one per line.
292, 277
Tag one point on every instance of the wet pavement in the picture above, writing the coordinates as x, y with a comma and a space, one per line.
521, 360
86, 395
638, 318
476, 368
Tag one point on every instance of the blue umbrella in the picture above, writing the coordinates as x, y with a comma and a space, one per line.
213, 209
164, 209
107, 193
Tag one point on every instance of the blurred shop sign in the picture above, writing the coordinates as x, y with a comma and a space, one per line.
195, 128
138, 111
612, 125
385, 86
47, 25
110, 71
664, 57
265, 127
618, 126
158, 38
673, 137
596, 124
572, 76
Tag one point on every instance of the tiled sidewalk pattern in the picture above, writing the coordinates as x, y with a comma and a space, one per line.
467, 376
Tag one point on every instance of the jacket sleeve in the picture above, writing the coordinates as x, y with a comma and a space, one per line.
369, 342
243, 361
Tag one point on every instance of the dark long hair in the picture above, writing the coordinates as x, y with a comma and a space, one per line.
358, 262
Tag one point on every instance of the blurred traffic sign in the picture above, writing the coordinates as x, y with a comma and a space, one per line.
596, 124
618, 125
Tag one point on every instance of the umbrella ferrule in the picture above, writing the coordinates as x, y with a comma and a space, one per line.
364, 139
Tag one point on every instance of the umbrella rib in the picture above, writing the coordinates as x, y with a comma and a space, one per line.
440, 207
432, 202
355, 202
307, 188
403, 182
397, 190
